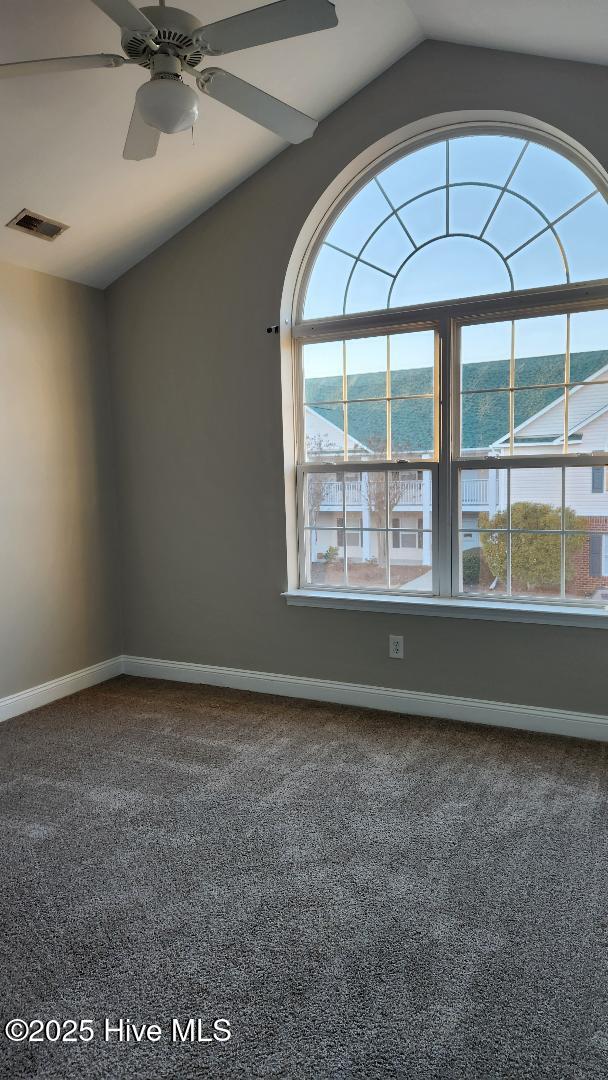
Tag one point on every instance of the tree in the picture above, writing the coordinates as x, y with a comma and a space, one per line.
535, 554
385, 493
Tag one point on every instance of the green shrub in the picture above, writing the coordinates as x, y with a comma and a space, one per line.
471, 566
330, 555
535, 554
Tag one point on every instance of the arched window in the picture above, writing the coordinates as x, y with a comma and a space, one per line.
461, 217
452, 362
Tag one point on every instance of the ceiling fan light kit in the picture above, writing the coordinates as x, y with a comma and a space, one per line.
166, 103
170, 43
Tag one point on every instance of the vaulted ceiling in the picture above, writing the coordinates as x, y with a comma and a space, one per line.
62, 134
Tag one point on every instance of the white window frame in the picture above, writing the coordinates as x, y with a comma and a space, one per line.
445, 318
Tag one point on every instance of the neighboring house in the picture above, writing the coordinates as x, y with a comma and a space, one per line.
539, 419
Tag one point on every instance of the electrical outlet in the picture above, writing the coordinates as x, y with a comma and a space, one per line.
395, 646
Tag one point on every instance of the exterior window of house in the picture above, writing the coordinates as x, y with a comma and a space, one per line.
598, 483
339, 530
452, 372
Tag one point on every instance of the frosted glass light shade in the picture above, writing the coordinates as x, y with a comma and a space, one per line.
168, 105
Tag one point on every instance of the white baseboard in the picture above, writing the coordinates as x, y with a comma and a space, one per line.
412, 702
25, 700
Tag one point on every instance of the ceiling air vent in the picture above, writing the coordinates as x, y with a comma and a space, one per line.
36, 225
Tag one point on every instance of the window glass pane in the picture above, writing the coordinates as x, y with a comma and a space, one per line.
484, 422
359, 218
411, 561
587, 566
368, 289
489, 159
470, 208
512, 224
483, 499
549, 180
366, 562
425, 218
366, 363
322, 371
412, 363
583, 234
366, 429
323, 499
588, 343
540, 263
389, 246
588, 418
327, 284
536, 499
485, 356
539, 421
324, 557
587, 498
416, 172
410, 498
324, 432
540, 350
483, 563
366, 496
450, 267
412, 427
535, 564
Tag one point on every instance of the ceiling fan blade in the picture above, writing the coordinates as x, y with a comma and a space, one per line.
246, 99
274, 22
61, 63
126, 15
142, 140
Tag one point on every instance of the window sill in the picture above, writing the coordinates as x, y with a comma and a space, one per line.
457, 608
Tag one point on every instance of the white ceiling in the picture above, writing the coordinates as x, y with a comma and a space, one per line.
570, 29
62, 134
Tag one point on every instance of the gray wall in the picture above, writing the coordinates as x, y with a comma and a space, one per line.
198, 411
58, 596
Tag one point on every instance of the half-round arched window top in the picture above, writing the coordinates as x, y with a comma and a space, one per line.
465, 216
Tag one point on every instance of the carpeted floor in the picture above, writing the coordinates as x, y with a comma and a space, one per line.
361, 895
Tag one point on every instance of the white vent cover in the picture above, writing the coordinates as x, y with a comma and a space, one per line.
37, 225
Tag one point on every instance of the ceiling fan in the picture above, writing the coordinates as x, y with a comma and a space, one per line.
171, 44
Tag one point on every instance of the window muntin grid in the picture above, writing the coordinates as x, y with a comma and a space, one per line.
536, 539
349, 529
517, 402
379, 400
436, 528
532, 218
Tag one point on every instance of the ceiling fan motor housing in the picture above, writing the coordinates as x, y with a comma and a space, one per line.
175, 29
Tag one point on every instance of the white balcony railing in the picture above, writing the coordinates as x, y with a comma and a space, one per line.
404, 492
474, 492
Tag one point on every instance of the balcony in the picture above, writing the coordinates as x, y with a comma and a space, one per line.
474, 492
405, 493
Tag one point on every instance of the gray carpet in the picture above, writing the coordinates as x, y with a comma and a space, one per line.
361, 895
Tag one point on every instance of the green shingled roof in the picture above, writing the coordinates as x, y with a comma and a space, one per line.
485, 417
